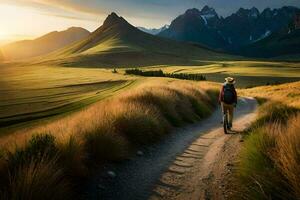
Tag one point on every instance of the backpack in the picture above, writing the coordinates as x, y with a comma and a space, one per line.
229, 94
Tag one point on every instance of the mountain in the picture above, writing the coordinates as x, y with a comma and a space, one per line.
117, 43
248, 26
281, 43
43, 45
244, 27
197, 26
153, 31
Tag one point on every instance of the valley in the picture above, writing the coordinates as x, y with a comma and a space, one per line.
74, 124
31, 94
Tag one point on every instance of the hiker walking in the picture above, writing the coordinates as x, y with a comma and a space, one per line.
228, 99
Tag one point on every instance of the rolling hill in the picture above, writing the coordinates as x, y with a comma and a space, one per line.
277, 44
43, 45
117, 43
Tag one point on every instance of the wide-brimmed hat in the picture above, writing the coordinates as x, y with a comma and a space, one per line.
230, 80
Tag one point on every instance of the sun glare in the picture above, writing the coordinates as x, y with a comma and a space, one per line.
19, 22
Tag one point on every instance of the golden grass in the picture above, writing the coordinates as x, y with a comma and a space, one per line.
37, 180
285, 93
107, 131
270, 159
287, 153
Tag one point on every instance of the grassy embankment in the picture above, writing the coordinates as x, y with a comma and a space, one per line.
49, 159
270, 159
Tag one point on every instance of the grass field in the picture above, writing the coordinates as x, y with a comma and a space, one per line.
247, 73
288, 94
30, 93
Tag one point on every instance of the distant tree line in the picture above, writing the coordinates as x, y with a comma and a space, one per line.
160, 73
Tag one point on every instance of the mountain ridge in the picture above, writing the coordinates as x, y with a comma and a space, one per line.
42, 45
277, 44
241, 28
117, 42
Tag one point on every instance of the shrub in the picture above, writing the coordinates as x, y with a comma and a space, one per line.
39, 146
71, 157
103, 145
39, 179
161, 98
140, 124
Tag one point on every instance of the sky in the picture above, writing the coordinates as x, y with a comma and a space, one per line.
27, 19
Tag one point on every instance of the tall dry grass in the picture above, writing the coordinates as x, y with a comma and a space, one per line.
287, 153
108, 131
288, 93
42, 179
269, 165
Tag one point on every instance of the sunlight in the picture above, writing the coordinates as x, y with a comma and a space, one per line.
17, 23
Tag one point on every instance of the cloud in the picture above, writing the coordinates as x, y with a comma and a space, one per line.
153, 12
86, 7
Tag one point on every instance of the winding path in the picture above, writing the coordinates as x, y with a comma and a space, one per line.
188, 164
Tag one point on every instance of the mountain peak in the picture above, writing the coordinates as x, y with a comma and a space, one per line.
254, 12
113, 19
193, 11
241, 11
74, 29
206, 10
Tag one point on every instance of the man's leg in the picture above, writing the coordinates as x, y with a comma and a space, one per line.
230, 114
223, 108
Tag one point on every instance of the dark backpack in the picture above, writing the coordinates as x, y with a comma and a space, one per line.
229, 94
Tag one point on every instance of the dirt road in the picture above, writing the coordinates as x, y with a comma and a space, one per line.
192, 163
203, 169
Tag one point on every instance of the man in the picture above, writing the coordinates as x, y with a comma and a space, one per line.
228, 99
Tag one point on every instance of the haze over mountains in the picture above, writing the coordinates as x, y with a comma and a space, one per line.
154, 31
43, 45
245, 27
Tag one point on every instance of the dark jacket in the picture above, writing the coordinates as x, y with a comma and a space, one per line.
221, 95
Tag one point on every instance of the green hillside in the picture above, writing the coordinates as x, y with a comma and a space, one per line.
118, 43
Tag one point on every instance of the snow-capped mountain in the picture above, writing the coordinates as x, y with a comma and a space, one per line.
244, 27
153, 31
197, 26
